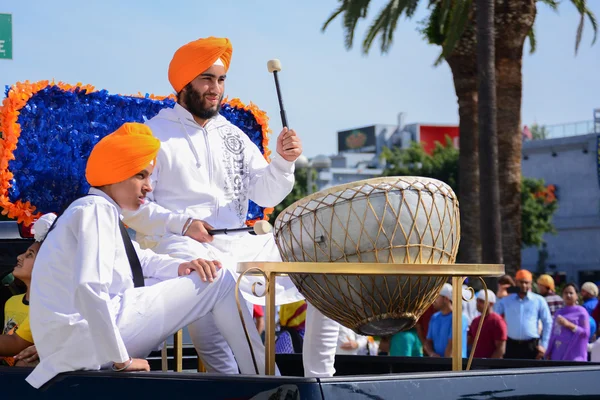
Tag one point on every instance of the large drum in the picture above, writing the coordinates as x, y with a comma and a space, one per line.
408, 220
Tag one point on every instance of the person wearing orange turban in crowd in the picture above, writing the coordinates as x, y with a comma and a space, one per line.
89, 305
207, 171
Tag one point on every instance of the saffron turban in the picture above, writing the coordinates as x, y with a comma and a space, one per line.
121, 155
194, 58
523, 275
546, 280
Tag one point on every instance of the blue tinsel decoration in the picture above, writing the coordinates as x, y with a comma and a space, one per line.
59, 129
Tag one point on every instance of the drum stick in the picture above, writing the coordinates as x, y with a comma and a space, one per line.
261, 227
274, 66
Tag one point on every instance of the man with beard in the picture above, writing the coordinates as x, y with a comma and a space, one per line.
206, 172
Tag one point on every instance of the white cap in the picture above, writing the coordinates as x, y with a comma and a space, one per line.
42, 226
219, 62
446, 291
491, 296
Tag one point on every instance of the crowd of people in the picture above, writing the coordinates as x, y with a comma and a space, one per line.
519, 324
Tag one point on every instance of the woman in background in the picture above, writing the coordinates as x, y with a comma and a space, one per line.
571, 329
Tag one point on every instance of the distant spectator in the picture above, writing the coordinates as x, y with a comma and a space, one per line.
351, 343
589, 294
522, 311
492, 339
292, 321
571, 329
439, 335
546, 289
406, 344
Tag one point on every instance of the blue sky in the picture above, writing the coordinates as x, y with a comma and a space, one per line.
125, 47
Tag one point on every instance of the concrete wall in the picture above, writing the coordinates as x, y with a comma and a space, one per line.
571, 164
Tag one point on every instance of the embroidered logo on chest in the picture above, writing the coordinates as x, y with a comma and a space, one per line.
233, 143
235, 182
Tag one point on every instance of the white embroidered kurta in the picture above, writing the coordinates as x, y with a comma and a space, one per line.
85, 312
210, 173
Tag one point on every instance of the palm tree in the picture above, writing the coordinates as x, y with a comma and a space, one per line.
451, 25
491, 236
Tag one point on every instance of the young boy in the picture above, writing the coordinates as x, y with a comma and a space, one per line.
90, 309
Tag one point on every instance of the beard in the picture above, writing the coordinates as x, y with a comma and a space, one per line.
194, 104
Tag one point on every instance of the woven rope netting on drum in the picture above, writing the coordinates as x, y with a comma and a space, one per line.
356, 232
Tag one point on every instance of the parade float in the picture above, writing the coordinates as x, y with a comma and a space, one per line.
371, 255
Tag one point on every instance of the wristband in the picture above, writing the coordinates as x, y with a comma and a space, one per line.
124, 368
187, 226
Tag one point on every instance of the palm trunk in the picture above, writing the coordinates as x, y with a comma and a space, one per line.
464, 72
513, 18
491, 236
509, 159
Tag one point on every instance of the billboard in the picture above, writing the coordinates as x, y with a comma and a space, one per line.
359, 140
429, 134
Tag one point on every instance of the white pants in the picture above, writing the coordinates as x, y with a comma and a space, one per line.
148, 315
321, 332
320, 344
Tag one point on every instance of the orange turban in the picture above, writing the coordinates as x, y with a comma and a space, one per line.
121, 155
546, 280
523, 275
196, 57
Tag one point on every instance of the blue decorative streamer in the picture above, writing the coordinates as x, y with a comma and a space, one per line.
59, 129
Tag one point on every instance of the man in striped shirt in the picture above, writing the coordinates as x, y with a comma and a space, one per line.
546, 289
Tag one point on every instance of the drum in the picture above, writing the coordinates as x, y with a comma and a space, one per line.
408, 220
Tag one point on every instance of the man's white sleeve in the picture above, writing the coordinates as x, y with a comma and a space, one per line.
269, 183
95, 255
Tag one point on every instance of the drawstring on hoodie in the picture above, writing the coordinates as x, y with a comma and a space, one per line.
190, 143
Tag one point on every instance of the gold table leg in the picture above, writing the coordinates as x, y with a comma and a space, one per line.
178, 350
270, 326
201, 367
457, 323
164, 358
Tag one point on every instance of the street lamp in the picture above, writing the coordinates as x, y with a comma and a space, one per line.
318, 163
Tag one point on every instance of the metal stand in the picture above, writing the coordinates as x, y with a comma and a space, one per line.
458, 272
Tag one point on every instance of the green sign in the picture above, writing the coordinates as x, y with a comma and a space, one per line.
6, 36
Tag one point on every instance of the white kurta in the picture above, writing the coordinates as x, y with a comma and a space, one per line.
210, 173
85, 312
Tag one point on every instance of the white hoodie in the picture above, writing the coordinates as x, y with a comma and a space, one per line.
208, 173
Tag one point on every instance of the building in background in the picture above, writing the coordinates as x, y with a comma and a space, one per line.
572, 165
359, 149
